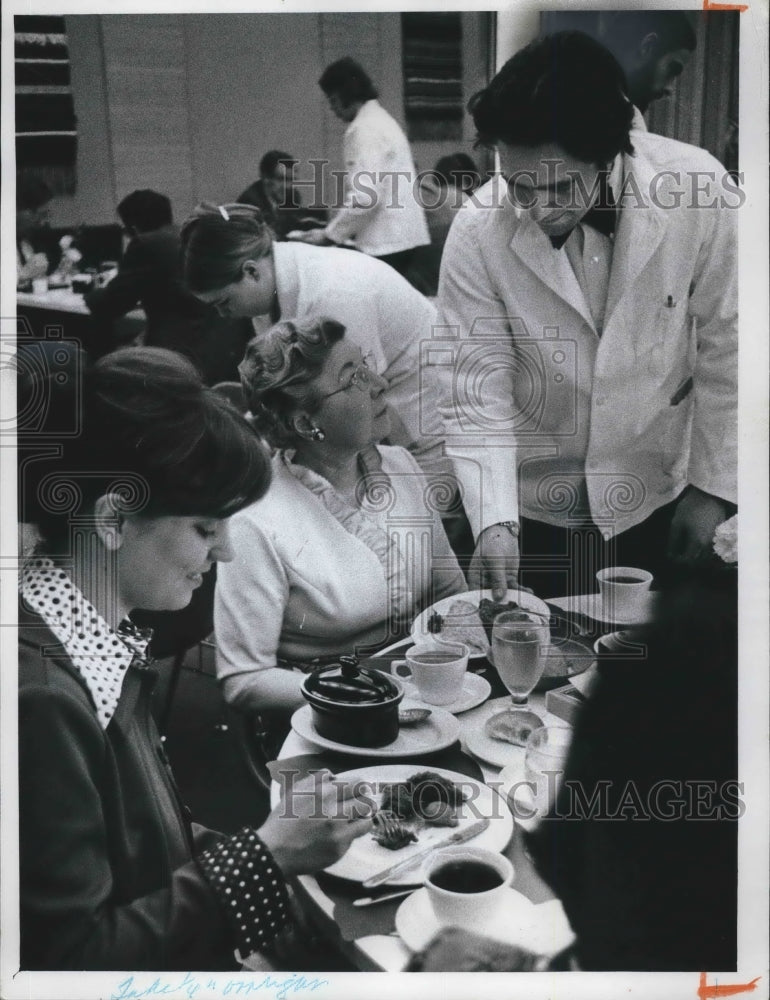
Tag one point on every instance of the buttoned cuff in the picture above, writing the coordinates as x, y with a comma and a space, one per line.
250, 887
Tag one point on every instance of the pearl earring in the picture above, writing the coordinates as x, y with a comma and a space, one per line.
317, 434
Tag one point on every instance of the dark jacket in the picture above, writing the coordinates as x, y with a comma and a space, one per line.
108, 879
150, 276
282, 218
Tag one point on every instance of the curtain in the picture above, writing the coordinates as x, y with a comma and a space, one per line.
46, 136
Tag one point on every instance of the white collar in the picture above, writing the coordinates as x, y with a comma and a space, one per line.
99, 654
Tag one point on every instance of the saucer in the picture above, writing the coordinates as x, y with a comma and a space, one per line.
439, 730
475, 690
593, 606
542, 928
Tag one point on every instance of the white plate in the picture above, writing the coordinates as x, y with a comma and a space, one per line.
439, 730
475, 690
497, 752
593, 606
523, 598
365, 857
542, 928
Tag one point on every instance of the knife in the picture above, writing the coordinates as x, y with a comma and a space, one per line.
398, 869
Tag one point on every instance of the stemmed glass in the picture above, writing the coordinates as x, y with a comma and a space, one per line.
519, 643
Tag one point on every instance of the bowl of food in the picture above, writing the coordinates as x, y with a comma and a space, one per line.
353, 704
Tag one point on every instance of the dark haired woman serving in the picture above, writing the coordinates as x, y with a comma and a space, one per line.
131, 514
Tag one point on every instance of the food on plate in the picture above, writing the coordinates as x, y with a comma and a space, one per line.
425, 796
462, 623
391, 831
435, 622
512, 727
489, 610
413, 716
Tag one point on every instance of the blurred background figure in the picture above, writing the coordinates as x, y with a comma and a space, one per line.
443, 191
380, 213
276, 197
652, 47
32, 198
149, 275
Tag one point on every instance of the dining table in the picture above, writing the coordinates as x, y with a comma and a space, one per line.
367, 936
61, 313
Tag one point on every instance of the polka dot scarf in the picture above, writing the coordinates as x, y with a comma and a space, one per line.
97, 653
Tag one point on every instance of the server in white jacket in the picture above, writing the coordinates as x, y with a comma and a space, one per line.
380, 214
588, 363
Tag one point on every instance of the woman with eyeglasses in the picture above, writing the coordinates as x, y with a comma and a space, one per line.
232, 261
347, 546
131, 512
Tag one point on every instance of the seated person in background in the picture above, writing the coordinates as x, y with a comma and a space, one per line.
275, 196
233, 263
150, 276
346, 548
32, 198
112, 873
443, 191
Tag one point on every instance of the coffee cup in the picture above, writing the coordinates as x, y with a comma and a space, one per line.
467, 886
624, 591
437, 671
39, 286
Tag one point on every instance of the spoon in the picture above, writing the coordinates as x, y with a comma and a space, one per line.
412, 716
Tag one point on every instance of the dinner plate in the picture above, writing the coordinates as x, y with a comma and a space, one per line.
365, 857
476, 689
541, 928
439, 730
523, 598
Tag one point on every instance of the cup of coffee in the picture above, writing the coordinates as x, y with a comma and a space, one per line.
467, 886
624, 591
438, 672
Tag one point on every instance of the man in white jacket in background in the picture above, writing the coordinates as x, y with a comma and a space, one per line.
380, 214
587, 365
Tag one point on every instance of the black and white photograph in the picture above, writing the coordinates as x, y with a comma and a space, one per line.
383, 391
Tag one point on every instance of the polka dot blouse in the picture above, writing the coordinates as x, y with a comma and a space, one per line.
240, 869
97, 652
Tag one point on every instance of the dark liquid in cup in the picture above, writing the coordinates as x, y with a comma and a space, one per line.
466, 876
435, 658
624, 579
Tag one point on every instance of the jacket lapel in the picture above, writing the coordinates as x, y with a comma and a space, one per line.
552, 267
641, 227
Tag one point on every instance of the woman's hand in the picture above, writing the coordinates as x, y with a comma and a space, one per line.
315, 823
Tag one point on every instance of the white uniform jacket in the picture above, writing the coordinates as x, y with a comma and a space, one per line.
386, 317
542, 414
380, 211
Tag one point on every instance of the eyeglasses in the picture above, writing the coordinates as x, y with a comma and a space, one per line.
360, 378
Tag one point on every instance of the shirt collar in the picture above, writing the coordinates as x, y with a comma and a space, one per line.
100, 654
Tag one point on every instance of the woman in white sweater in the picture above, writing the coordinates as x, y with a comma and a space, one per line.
347, 546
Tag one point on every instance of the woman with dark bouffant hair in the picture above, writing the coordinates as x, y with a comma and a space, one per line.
347, 547
132, 510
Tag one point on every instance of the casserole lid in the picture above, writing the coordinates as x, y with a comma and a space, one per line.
348, 683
